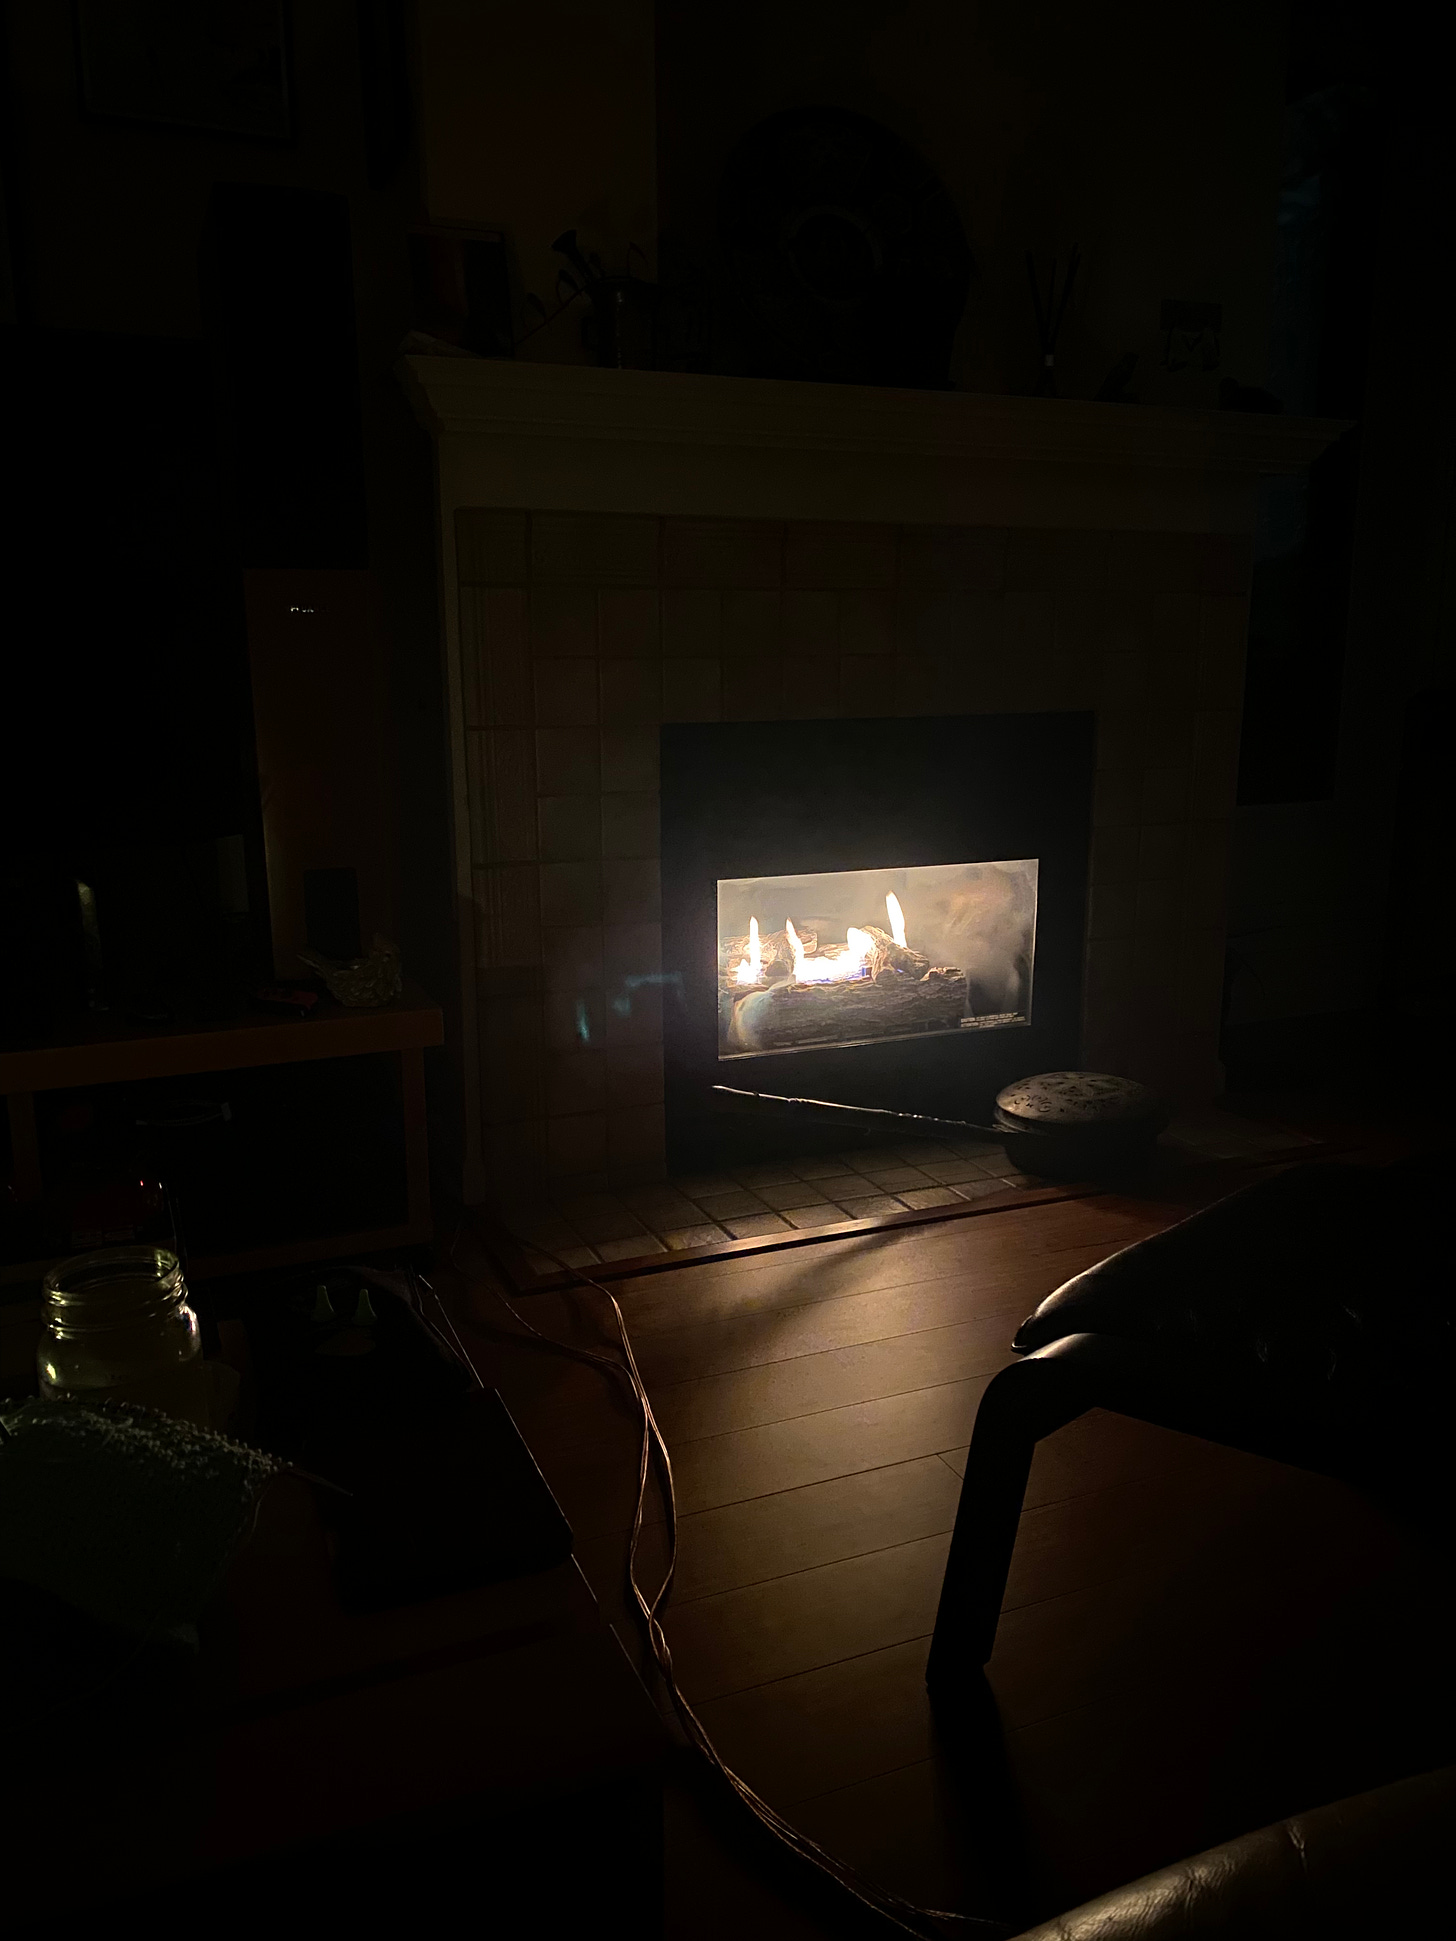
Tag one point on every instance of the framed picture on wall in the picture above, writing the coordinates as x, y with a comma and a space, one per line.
212, 67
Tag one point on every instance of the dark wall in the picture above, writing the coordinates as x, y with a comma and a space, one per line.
213, 251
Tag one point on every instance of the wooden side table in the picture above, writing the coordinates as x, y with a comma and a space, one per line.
101, 1052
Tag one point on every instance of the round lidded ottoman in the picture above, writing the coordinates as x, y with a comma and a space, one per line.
1076, 1125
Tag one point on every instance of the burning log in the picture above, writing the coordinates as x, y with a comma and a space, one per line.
786, 1015
898, 959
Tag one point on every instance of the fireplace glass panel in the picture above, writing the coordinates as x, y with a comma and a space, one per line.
857, 956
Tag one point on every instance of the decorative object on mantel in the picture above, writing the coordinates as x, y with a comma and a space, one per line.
1049, 319
619, 330
846, 252
367, 982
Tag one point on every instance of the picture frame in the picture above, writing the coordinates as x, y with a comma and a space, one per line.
202, 67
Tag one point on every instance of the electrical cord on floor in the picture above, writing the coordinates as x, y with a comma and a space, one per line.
924, 1923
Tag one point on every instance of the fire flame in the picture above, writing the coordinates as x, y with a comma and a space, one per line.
835, 967
751, 968
897, 918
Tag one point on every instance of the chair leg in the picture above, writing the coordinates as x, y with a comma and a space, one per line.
1023, 1403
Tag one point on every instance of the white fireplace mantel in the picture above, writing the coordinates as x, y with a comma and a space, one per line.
574, 438
622, 549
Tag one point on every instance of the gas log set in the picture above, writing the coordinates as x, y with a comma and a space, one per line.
782, 991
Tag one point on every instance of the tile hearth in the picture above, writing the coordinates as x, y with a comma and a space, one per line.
701, 1213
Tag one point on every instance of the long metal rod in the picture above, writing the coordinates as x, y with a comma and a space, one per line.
869, 1111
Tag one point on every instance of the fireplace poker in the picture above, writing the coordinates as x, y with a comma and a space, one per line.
869, 1111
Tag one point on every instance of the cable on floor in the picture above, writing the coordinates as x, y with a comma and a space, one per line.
928, 1924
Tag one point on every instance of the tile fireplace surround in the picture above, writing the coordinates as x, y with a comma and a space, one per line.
621, 549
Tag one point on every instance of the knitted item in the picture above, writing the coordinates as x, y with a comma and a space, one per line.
126, 1514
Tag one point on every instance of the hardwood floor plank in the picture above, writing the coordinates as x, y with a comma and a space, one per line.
807, 1384
916, 1832
739, 1639
716, 1470
713, 1290
750, 1341
794, 1530
849, 1721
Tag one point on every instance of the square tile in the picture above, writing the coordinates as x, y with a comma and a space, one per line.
594, 548
630, 824
872, 1207
810, 624
956, 1172
722, 552
571, 893
820, 1214
770, 1172
566, 693
574, 1020
794, 1194
563, 622
839, 554
633, 890
977, 1189
570, 828
819, 1170
810, 689
572, 955
660, 1207
490, 546
690, 690
632, 952
843, 1186
631, 693
703, 1235
692, 623
737, 1203
920, 1198
756, 1226
633, 1012
628, 622
750, 625
575, 1082
698, 1186
628, 759
644, 1245
634, 1074
635, 1140
576, 1144
752, 690
599, 1216
568, 761
898, 1179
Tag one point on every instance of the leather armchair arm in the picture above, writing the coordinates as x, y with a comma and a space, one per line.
1375, 1864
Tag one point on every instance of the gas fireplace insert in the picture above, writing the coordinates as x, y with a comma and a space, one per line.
876, 912
850, 957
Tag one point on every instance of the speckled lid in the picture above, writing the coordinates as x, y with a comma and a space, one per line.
1058, 1099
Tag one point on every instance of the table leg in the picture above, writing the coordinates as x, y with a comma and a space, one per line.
24, 1145
416, 1140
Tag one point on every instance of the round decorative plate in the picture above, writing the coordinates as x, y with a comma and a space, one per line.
845, 249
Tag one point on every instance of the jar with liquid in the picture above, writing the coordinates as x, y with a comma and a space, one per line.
117, 1326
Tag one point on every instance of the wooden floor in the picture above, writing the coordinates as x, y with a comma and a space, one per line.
1194, 1641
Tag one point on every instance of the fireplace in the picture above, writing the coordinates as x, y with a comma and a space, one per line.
829, 578
848, 972
887, 912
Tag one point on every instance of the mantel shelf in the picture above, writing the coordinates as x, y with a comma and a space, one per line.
579, 438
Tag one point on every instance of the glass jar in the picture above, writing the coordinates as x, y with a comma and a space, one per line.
116, 1326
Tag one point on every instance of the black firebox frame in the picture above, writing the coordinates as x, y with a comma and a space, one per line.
785, 797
